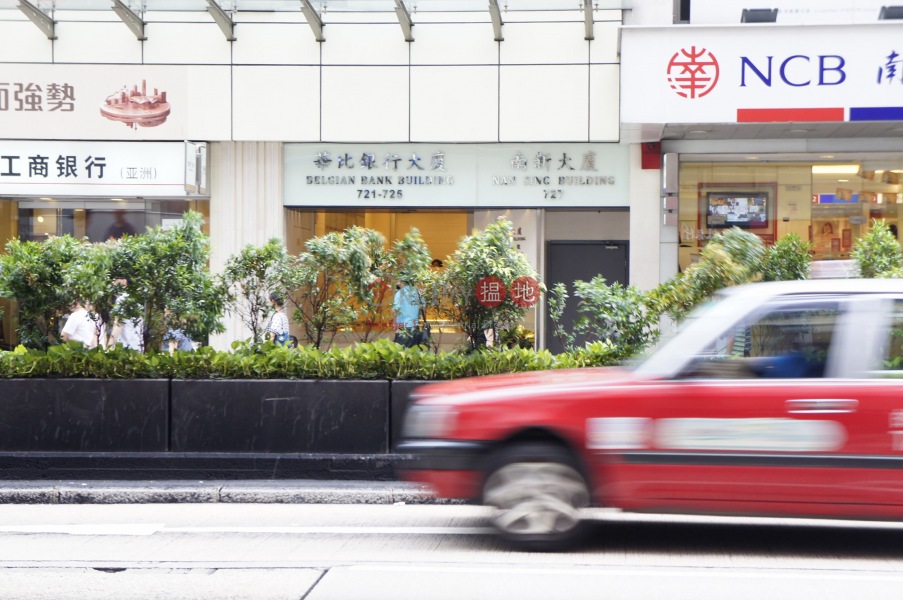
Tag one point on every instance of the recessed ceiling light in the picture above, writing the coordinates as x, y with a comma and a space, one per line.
698, 131
752, 158
826, 156
799, 131
842, 180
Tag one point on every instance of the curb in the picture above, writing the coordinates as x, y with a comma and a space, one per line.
224, 492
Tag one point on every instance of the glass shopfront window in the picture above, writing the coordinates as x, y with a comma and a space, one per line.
98, 220
829, 202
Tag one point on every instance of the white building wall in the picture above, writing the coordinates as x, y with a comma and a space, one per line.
246, 208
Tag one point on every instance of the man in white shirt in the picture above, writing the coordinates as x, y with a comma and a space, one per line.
128, 332
80, 327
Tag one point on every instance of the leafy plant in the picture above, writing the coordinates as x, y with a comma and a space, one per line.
171, 286
381, 359
490, 253
614, 313
44, 278
316, 288
787, 260
731, 258
367, 272
250, 276
557, 299
878, 251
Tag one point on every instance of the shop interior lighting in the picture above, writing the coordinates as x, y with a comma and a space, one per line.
759, 15
497, 23
131, 20
225, 22
890, 12
39, 18
404, 19
835, 169
313, 19
588, 19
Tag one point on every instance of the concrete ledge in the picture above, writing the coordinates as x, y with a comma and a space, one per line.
250, 492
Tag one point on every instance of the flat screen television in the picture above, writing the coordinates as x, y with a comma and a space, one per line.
747, 210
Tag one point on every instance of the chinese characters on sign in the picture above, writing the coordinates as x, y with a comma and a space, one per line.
58, 168
33, 97
368, 161
421, 175
524, 291
889, 72
491, 291
564, 163
66, 166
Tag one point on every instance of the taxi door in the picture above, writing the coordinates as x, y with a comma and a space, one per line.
765, 418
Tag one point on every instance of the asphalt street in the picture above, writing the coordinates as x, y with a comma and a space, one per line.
403, 551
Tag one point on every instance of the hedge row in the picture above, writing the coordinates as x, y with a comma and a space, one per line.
382, 359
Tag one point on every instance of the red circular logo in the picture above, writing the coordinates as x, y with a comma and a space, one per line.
490, 291
693, 73
524, 291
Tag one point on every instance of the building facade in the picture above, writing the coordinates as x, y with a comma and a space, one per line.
303, 118
779, 121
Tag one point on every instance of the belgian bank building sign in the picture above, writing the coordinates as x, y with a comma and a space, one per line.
456, 175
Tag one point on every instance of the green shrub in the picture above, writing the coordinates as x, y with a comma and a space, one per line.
878, 252
730, 258
613, 313
787, 260
381, 359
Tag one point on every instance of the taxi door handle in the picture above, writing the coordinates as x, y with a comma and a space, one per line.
822, 405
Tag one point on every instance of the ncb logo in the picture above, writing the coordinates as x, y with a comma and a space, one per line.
693, 72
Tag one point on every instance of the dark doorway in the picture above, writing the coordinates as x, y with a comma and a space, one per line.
569, 261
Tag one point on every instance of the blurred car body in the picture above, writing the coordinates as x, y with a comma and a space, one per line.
773, 399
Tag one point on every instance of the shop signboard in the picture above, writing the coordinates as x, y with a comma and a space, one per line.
105, 169
725, 74
456, 175
115, 102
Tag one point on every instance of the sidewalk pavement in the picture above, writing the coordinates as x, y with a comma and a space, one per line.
291, 491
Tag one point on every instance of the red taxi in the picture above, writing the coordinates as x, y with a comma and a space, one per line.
772, 399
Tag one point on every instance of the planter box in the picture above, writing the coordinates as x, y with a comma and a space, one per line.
305, 416
401, 398
86, 415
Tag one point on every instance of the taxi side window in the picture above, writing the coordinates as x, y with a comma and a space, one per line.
786, 342
892, 365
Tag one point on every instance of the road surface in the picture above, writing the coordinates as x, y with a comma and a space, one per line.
416, 552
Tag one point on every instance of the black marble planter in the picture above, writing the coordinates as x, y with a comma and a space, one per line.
288, 416
86, 415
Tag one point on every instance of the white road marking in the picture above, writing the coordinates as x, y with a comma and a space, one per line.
143, 529
692, 572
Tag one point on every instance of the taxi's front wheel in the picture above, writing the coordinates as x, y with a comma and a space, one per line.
537, 491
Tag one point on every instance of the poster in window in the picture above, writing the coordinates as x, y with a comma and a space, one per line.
835, 245
847, 238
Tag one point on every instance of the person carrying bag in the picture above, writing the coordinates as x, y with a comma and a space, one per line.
423, 331
277, 329
407, 304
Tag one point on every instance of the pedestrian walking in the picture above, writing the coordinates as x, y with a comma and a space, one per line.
81, 326
277, 328
128, 332
406, 304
